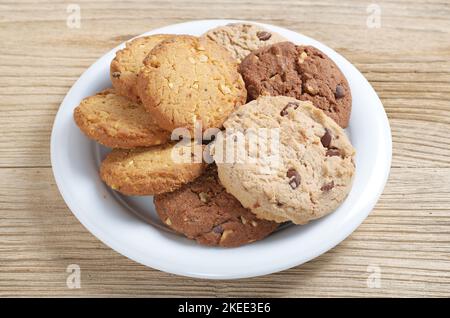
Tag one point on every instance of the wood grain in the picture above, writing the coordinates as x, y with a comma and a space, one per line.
407, 60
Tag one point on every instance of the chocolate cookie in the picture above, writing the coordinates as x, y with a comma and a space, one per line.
302, 72
202, 210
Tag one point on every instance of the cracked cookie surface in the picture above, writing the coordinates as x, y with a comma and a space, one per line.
303, 72
240, 39
153, 170
187, 79
311, 176
202, 210
126, 64
116, 122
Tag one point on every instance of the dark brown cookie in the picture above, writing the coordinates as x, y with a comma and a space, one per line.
202, 210
302, 72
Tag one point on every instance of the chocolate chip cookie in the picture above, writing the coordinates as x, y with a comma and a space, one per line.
116, 122
312, 161
240, 39
126, 64
303, 72
152, 170
186, 79
202, 210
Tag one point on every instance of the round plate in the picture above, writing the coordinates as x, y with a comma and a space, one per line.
130, 225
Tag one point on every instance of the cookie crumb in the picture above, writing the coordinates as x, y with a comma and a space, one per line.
302, 57
224, 89
204, 197
225, 234
203, 58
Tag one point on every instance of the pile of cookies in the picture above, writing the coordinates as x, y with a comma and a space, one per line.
180, 96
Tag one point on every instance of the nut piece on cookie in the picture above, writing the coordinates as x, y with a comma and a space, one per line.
311, 166
186, 79
240, 39
302, 72
154, 170
128, 61
202, 210
116, 122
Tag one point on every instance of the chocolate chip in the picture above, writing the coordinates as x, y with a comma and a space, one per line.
263, 35
204, 197
284, 111
340, 92
326, 138
218, 229
206, 141
313, 90
327, 186
333, 152
116, 74
294, 178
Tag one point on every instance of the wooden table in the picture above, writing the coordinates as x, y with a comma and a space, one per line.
406, 239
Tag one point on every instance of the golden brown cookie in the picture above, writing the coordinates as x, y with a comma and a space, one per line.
116, 122
202, 210
187, 79
154, 170
128, 61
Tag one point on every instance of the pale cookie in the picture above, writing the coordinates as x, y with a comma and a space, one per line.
202, 210
187, 80
128, 61
240, 39
116, 122
154, 170
313, 172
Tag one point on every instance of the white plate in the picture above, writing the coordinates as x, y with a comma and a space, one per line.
130, 225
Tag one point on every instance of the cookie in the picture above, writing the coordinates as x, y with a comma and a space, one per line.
302, 72
128, 61
116, 122
153, 170
311, 164
202, 210
240, 39
187, 79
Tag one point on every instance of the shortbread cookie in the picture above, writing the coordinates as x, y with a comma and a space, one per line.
116, 122
128, 61
154, 170
302, 72
202, 210
186, 79
240, 39
308, 176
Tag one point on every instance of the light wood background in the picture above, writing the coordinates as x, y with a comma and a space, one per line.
407, 60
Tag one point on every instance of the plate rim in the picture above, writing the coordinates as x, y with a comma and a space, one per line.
115, 245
